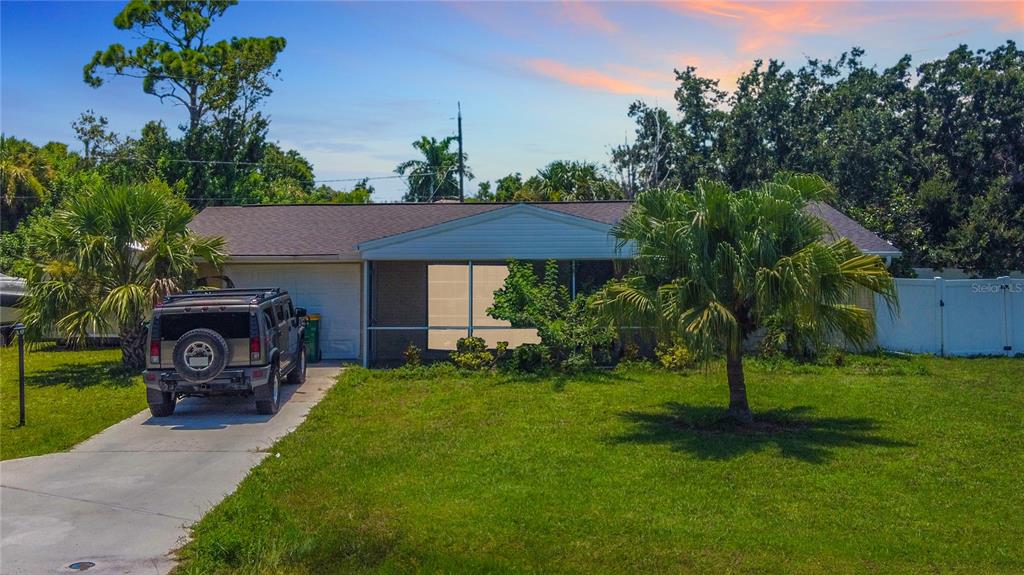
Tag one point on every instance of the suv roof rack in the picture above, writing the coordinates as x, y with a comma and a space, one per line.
258, 294
273, 290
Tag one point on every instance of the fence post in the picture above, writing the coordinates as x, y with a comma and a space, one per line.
19, 328
1004, 286
940, 292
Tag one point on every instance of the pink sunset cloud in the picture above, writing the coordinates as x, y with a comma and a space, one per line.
586, 78
586, 15
766, 25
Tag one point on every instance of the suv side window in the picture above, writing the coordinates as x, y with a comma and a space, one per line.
268, 318
279, 309
291, 309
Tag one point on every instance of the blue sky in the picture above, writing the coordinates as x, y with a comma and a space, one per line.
538, 81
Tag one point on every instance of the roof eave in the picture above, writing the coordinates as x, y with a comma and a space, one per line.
288, 258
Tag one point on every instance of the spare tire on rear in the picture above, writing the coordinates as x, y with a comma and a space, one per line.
200, 355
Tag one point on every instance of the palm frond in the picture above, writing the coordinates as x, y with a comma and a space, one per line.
715, 264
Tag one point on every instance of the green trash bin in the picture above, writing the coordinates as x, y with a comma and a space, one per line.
312, 338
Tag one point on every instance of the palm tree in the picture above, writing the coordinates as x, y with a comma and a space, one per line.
106, 256
24, 176
578, 182
713, 265
436, 176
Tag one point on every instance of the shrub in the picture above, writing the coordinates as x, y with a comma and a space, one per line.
500, 352
471, 353
631, 351
674, 355
566, 326
530, 358
413, 355
835, 356
471, 345
577, 362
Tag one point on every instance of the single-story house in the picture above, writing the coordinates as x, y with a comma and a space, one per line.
382, 276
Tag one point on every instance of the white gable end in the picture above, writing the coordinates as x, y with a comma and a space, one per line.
521, 231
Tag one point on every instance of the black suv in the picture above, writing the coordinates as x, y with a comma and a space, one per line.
224, 342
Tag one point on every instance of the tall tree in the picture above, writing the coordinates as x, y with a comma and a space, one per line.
578, 181
910, 151
559, 181
179, 63
219, 83
25, 177
361, 193
713, 265
436, 175
91, 129
106, 256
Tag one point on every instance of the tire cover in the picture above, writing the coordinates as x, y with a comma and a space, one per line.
200, 355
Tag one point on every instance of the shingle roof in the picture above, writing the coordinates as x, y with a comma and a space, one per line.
844, 226
336, 229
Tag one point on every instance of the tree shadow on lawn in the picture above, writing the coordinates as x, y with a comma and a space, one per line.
709, 433
83, 375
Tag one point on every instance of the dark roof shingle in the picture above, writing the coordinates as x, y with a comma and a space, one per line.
844, 226
337, 229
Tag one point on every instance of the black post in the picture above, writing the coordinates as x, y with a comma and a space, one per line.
19, 328
462, 168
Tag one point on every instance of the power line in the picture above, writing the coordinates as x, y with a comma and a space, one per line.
437, 185
433, 191
248, 163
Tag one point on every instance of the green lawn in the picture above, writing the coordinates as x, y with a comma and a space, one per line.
70, 395
885, 465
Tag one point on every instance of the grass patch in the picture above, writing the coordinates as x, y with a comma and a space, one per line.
70, 395
883, 465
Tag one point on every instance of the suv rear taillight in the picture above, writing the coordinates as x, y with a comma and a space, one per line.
254, 337
154, 341
154, 351
254, 349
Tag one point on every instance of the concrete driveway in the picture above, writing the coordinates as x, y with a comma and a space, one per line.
124, 498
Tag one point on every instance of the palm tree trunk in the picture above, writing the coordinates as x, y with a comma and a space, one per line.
133, 340
739, 409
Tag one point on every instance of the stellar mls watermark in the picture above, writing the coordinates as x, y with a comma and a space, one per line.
995, 288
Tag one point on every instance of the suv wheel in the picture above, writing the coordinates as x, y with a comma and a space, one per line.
269, 406
298, 374
200, 355
161, 403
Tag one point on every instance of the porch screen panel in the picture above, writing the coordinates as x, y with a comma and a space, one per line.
488, 278
447, 304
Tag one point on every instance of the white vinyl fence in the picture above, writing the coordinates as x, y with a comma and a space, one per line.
954, 317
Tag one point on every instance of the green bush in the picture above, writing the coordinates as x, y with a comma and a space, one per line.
674, 355
577, 362
530, 358
834, 356
631, 351
567, 327
413, 355
500, 352
471, 353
